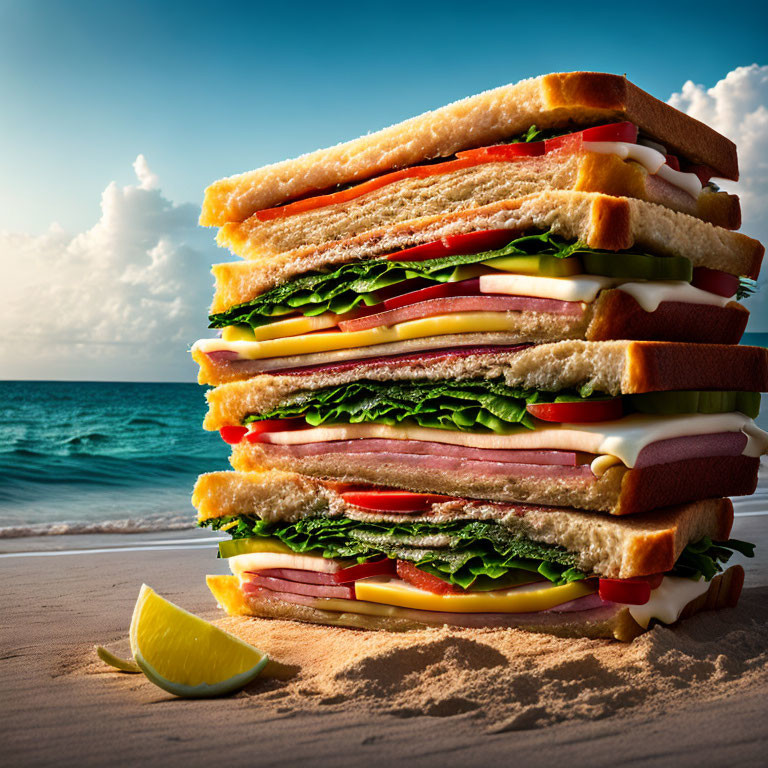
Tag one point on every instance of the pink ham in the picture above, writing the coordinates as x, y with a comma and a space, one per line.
456, 464
297, 575
449, 305
692, 447
590, 609
258, 582
398, 360
419, 447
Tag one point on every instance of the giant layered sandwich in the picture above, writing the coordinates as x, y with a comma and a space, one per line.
480, 369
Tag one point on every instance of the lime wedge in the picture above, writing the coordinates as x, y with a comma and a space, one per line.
124, 665
185, 655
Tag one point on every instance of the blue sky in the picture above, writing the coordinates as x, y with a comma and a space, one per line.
202, 93
201, 90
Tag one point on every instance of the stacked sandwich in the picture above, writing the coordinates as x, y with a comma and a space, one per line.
481, 368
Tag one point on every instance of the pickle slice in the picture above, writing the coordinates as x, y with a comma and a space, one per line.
638, 266
697, 401
247, 546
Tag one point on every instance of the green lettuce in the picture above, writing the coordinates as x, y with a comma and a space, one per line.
476, 553
474, 405
353, 284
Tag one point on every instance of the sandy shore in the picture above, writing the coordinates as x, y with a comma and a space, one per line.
695, 695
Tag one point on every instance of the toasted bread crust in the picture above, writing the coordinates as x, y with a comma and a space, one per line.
614, 547
573, 99
620, 491
617, 623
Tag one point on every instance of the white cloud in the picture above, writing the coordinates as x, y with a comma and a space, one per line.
122, 300
737, 106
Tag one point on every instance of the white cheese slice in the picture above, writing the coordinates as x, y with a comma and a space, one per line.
668, 600
260, 561
624, 438
649, 294
651, 159
579, 288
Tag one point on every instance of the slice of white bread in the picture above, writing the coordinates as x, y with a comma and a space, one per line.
618, 491
614, 367
607, 546
562, 100
613, 622
471, 188
600, 221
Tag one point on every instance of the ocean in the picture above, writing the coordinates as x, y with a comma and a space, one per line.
92, 457
80, 457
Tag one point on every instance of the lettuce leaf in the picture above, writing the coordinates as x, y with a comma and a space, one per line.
469, 406
353, 284
469, 553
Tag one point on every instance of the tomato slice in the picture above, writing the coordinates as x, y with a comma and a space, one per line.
423, 580
439, 291
504, 151
625, 131
704, 172
629, 591
576, 413
382, 567
672, 162
272, 425
715, 281
470, 242
233, 435
394, 501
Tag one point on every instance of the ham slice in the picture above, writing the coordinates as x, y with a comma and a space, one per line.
692, 447
448, 305
587, 608
258, 582
419, 447
455, 464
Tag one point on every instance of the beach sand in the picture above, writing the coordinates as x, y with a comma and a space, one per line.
693, 695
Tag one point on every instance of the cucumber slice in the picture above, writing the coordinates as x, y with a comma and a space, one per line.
247, 546
638, 266
543, 265
697, 401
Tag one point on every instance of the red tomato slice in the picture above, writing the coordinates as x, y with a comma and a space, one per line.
630, 591
423, 580
470, 242
364, 570
612, 132
672, 162
272, 425
394, 501
575, 413
715, 281
232, 435
504, 151
439, 291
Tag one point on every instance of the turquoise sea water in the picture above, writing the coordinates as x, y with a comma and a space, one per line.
101, 456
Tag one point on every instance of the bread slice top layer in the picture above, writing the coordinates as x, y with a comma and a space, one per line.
559, 100
614, 367
608, 546
600, 221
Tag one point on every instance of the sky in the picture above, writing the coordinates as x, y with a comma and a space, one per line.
115, 116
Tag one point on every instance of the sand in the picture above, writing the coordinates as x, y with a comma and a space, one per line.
692, 695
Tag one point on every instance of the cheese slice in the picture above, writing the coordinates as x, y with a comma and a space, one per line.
293, 326
260, 561
624, 438
668, 600
325, 341
578, 288
523, 599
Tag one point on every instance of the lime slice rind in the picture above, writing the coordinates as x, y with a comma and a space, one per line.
109, 658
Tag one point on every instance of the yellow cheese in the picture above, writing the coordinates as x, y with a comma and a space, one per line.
293, 326
226, 590
440, 325
525, 599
